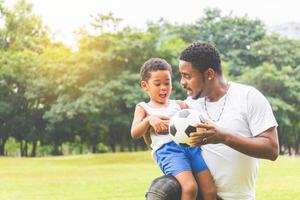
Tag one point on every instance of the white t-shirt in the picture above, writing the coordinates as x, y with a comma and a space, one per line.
246, 113
157, 139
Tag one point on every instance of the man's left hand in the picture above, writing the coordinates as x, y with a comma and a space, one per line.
207, 133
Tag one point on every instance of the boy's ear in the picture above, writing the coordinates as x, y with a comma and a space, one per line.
144, 85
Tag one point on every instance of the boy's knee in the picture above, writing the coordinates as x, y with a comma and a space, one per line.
190, 188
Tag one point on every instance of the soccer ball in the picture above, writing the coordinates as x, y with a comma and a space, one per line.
182, 124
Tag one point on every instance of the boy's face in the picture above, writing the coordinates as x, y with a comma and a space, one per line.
192, 80
159, 86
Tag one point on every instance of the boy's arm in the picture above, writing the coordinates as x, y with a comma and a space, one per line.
147, 137
140, 123
140, 128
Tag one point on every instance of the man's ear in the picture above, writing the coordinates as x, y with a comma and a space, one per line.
144, 85
210, 74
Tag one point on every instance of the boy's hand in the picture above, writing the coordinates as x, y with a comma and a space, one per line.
159, 125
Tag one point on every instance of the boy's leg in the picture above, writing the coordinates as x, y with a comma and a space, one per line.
188, 185
206, 185
173, 161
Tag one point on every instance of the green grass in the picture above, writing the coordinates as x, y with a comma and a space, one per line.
117, 176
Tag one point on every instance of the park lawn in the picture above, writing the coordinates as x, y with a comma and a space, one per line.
117, 176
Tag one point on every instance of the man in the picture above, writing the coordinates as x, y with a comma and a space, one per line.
240, 124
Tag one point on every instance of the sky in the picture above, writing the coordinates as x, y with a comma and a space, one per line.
66, 16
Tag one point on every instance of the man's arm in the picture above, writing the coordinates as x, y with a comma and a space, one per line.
265, 145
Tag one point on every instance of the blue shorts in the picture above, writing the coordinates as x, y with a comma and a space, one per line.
174, 159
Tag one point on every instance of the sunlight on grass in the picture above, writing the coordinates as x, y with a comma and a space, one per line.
118, 176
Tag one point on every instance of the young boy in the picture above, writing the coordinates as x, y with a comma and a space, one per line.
184, 163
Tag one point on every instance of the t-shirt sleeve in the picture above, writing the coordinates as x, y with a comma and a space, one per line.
260, 114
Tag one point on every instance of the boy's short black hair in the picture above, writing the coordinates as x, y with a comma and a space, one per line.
202, 56
154, 64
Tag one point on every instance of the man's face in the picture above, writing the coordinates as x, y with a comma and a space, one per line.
192, 80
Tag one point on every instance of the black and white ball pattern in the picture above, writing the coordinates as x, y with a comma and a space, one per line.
182, 124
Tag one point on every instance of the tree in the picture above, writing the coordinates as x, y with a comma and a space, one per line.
22, 38
276, 50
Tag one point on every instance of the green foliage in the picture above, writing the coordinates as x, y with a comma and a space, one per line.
276, 50
51, 96
232, 35
23, 29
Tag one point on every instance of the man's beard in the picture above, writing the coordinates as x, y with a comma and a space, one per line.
198, 95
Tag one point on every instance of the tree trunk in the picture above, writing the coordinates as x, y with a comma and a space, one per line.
289, 149
135, 145
81, 146
2, 146
26, 148
112, 142
21, 148
33, 150
94, 148
297, 145
122, 148
129, 144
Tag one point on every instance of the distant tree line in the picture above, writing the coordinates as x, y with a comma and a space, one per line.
51, 95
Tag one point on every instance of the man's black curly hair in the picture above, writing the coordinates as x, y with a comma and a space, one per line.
202, 56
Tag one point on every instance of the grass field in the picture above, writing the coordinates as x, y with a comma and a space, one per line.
118, 176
